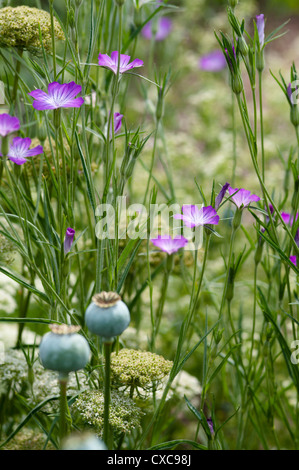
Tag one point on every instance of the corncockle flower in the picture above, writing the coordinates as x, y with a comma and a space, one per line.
19, 150
160, 30
168, 244
260, 24
243, 197
8, 124
193, 217
221, 195
58, 96
68, 240
125, 65
117, 117
287, 218
213, 62
293, 260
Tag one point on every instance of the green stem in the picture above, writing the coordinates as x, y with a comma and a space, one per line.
107, 391
262, 124
53, 38
16, 80
63, 379
234, 140
232, 238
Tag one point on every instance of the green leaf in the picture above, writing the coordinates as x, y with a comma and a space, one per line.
175, 443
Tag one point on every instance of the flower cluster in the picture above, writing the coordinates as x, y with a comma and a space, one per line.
21, 26
124, 417
138, 368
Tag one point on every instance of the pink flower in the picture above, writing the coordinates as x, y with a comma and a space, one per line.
193, 217
163, 28
168, 244
117, 117
213, 62
8, 124
19, 150
293, 260
58, 96
243, 197
125, 65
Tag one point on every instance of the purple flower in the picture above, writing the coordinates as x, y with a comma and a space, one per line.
210, 424
293, 260
213, 62
163, 28
112, 62
193, 217
8, 124
58, 96
168, 244
260, 24
68, 240
19, 150
288, 218
221, 195
243, 197
117, 117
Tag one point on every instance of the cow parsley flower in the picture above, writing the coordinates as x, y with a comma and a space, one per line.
21, 27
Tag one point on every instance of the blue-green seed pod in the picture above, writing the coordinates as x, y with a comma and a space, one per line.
63, 349
107, 316
84, 441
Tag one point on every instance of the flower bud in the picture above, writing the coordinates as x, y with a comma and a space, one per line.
260, 61
69, 238
294, 115
233, 3
71, 17
160, 105
119, 2
237, 219
41, 132
259, 251
243, 46
237, 84
4, 146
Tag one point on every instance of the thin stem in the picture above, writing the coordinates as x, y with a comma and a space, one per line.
262, 123
63, 379
231, 244
234, 132
16, 80
107, 391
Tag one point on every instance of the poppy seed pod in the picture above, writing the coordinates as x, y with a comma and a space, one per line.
63, 349
107, 316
